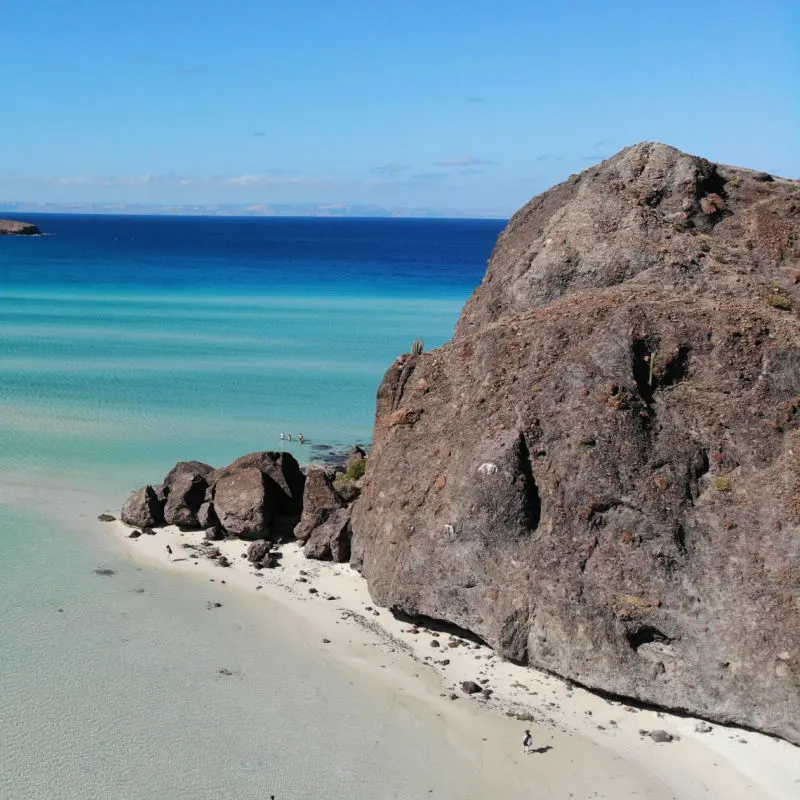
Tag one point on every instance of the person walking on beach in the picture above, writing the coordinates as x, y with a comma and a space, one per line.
527, 743
169, 551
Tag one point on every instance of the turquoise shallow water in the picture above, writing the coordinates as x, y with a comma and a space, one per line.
152, 379
124, 347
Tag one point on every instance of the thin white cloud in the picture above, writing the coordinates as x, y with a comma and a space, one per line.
466, 161
266, 178
390, 170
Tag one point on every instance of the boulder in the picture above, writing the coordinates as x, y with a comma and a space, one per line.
320, 499
285, 478
283, 483
258, 551
206, 516
143, 510
330, 540
242, 505
598, 475
185, 488
660, 736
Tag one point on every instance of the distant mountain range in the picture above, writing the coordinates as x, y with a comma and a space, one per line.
251, 210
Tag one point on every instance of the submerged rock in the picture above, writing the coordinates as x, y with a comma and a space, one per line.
599, 474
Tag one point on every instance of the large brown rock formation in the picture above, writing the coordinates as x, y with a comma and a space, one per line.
600, 474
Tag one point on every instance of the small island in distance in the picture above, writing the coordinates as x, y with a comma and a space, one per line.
10, 227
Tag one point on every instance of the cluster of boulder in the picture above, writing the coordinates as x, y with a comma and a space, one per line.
263, 497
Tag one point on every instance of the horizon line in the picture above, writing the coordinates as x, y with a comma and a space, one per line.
250, 210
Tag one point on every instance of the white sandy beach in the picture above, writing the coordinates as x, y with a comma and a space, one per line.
584, 746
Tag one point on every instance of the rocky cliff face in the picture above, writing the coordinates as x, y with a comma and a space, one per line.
600, 474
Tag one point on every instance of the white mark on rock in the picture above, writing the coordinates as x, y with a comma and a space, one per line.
487, 468
449, 530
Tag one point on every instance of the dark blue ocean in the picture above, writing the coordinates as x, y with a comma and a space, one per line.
129, 343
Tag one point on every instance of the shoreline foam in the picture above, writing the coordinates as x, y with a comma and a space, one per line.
584, 743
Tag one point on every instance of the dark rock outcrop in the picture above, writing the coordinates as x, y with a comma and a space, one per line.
143, 509
258, 551
241, 504
600, 474
259, 495
185, 488
330, 539
320, 500
207, 517
283, 483
10, 227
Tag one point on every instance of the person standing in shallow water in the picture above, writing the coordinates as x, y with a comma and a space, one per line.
169, 551
527, 743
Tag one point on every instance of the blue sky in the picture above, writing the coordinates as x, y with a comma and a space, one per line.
436, 104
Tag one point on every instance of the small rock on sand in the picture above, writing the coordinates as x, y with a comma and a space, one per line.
703, 727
